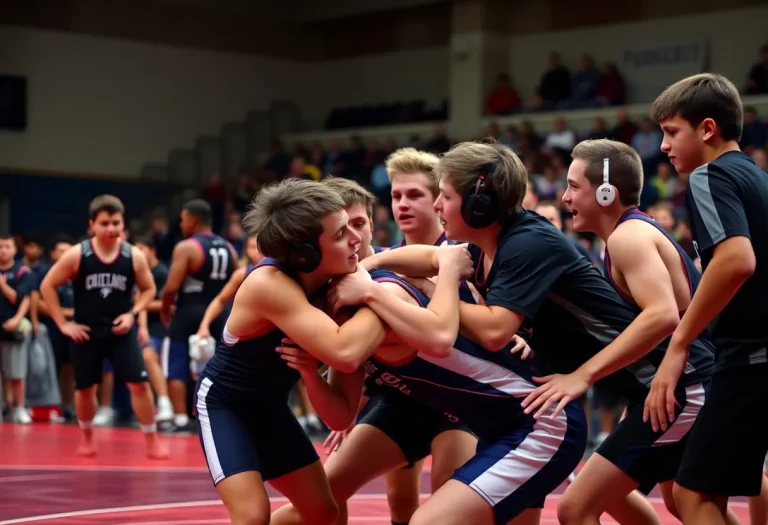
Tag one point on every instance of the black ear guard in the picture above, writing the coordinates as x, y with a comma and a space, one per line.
478, 207
303, 257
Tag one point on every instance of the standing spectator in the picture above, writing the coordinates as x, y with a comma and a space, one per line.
585, 83
555, 84
757, 82
754, 133
611, 90
599, 130
503, 100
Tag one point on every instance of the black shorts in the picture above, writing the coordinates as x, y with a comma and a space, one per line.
729, 441
123, 353
603, 397
241, 434
651, 457
409, 423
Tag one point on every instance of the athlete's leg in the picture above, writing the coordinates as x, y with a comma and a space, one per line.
350, 467
87, 362
403, 490
245, 498
157, 379
758, 506
105, 413
309, 494
450, 450
176, 368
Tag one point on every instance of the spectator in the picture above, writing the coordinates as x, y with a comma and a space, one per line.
625, 129
555, 84
335, 161
550, 184
493, 131
663, 214
757, 82
562, 140
301, 170
243, 192
684, 238
503, 100
611, 90
278, 161
664, 181
760, 156
585, 83
371, 153
599, 130
355, 160
509, 138
647, 143
390, 145
755, 132
439, 142
317, 156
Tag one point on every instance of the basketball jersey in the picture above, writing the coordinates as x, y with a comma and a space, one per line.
103, 290
701, 352
252, 367
472, 385
155, 325
203, 284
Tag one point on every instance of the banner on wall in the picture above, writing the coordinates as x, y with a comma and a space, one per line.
650, 68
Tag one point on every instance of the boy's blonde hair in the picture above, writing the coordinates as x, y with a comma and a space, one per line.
409, 161
703, 96
288, 213
352, 193
467, 161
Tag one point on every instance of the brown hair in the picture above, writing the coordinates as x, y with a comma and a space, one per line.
105, 203
352, 193
410, 161
289, 212
466, 161
625, 170
703, 96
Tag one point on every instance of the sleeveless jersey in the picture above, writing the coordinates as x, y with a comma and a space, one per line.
102, 289
701, 355
472, 385
203, 284
252, 367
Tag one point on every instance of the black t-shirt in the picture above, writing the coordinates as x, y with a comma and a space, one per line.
729, 198
20, 278
572, 312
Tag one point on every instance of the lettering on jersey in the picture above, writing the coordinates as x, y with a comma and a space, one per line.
106, 282
192, 285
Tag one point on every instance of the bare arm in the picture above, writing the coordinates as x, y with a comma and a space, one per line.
64, 270
337, 400
415, 261
180, 262
144, 280
491, 327
635, 256
8, 291
34, 308
216, 307
23, 309
282, 302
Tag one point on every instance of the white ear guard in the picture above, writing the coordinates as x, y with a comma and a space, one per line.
605, 193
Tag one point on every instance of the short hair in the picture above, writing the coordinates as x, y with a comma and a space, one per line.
105, 203
625, 169
289, 212
146, 240
702, 96
408, 161
542, 204
465, 162
351, 193
33, 239
6, 236
62, 238
199, 209
662, 206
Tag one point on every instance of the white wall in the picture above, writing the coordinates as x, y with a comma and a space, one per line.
109, 106
401, 76
734, 40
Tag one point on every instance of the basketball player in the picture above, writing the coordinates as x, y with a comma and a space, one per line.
16, 284
152, 332
726, 200
657, 279
403, 432
221, 301
104, 270
531, 275
200, 268
248, 432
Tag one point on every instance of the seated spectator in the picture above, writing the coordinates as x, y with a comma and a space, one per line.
664, 180
509, 138
647, 143
662, 213
301, 170
760, 156
611, 90
755, 132
555, 84
317, 155
549, 184
562, 140
585, 83
439, 142
503, 100
599, 130
757, 82
335, 160
625, 129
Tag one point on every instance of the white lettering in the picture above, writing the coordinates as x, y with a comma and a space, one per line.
106, 281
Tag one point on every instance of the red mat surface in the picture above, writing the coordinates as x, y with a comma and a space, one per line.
42, 481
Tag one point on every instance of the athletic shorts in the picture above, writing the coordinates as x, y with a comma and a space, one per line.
729, 441
521, 468
650, 457
14, 356
122, 352
410, 424
239, 434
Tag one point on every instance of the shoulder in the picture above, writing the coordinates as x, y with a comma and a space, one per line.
240, 273
271, 288
631, 239
186, 246
531, 234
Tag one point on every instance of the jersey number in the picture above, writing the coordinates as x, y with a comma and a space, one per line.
220, 258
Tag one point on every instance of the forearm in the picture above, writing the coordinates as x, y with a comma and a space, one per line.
213, 311
168, 298
23, 309
717, 287
154, 306
143, 299
644, 334
143, 320
479, 324
69, 313
34, 308
357, 339
329, 402
8, 292
414, 261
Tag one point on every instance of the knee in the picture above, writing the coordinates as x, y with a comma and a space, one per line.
570, 510
249, 515
403, 501
324, 514
149, 355
137, 389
